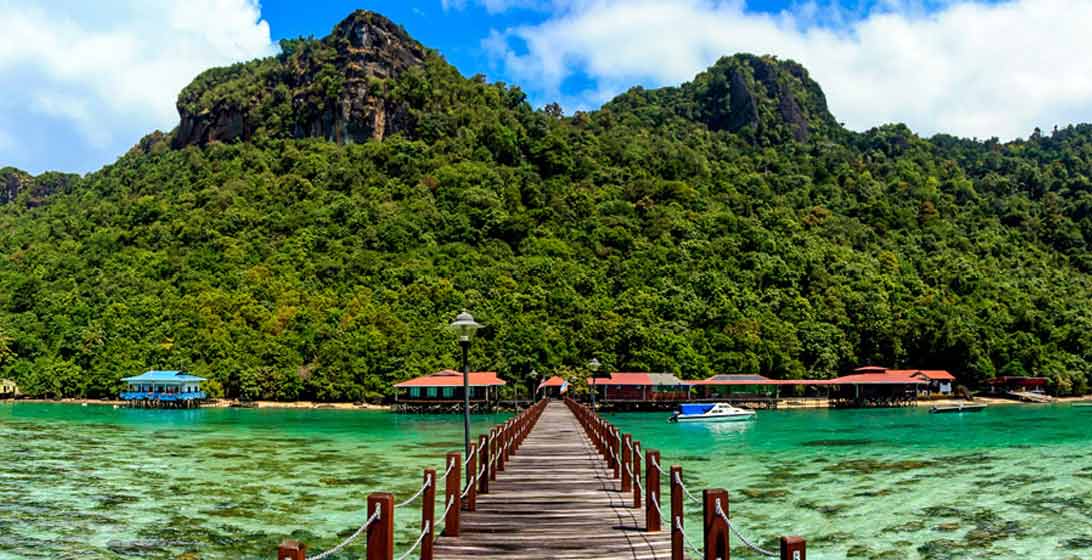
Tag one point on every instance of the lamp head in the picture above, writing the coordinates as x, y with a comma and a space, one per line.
465, 326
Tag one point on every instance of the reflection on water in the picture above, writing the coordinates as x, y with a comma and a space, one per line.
97, 483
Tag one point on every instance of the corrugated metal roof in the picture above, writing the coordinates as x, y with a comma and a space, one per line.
878, 379
638, 378
163, 376
452, 378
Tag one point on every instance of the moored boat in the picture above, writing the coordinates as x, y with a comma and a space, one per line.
961, 407
711, 412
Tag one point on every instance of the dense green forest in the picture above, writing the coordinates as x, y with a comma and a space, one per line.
726, 225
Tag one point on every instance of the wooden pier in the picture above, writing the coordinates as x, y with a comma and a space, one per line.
556, 481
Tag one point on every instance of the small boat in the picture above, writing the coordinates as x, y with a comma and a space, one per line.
712, 412
961, 407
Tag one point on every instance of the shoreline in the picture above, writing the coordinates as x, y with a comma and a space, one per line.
217, 403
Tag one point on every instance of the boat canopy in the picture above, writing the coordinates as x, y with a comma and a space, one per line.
695, 408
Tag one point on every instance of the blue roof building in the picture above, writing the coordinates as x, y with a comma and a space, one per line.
169, 389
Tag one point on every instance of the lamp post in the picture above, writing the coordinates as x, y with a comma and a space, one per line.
464, 327
594, 365
534, 383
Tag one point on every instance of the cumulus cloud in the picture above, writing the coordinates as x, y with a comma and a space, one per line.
99, 75
967, 67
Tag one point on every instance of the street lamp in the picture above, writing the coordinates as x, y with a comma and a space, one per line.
534, 381
594, 365
464, 327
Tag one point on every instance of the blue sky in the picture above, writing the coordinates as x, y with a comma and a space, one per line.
83, 82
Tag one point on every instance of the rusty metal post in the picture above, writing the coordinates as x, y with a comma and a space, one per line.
381, 531
652, 491
636, 462
627, 458
793, 548
471, 502
483, 447
428, 513
676, 513
716, 530
292, 550
452, 489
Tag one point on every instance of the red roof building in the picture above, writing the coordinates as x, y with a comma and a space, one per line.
552, 387
447, 386
640, 387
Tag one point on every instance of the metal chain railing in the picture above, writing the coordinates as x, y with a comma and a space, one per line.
744, 540
421, 490
374, 517
421, 537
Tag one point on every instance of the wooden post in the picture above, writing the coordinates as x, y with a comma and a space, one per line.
627, 458
676, 513
793, 548
483, 446
636, 462
716, 530
452, 489
652, 491
381, 531
616, 447
471, 502
292, 550
493, 437
428, 513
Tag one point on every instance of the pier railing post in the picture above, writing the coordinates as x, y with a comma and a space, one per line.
471, 502
292, 550
483, 447
716, 530
452, 489
636, 461
676, 513
494, 449
793, 548
627, 458
381, 531
616, 448
652, 491
428, 513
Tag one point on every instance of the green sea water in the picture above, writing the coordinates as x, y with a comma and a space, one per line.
96, 482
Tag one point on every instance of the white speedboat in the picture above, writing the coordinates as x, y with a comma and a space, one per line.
711, 412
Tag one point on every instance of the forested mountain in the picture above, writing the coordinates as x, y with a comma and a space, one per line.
318, 218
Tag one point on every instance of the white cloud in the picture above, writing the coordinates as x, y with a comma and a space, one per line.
965, 67
111, 70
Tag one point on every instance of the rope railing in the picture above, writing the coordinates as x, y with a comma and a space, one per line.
420, 538
686, 539
678, 479
746, 542
493, 451
421, 490
624, 456
356, 535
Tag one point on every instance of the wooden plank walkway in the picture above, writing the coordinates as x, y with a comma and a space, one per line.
555, 499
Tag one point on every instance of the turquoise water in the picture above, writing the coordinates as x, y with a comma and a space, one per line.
95, 482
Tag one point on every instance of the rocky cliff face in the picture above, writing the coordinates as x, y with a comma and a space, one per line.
14, 183
763, 94
333, 89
